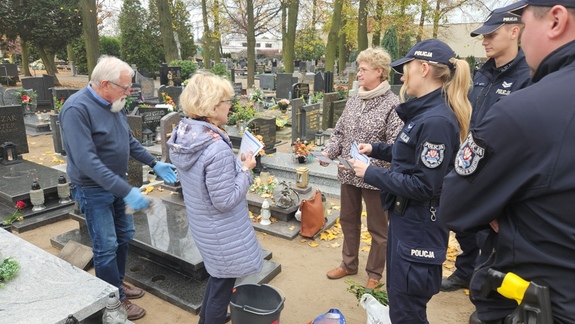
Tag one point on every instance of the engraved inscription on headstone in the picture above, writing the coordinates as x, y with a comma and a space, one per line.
151, 117
311, 121
266, 127
300, 90
327, 116
238, 88
267, 81
12, 128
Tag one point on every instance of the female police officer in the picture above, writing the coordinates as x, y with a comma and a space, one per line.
436, 120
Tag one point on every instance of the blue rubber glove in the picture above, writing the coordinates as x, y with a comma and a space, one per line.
166, 172
136, 200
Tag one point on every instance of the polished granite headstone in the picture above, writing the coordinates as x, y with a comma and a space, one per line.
47, 289
163, 258
327, 113
284, 85
12, 127
266, 127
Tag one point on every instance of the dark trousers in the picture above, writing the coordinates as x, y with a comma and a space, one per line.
470, 244
216, 300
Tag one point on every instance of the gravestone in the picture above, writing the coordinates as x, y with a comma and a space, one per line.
173, 92
57, 134
327, 115
260, 68
305, 120
167, 125
318, 83
63, 93
135, 177
1, 95
12, 128
354, 88
338, 107
284, 85
300, 90
174, 76
267, 81
148, 88
328, 85
42, 85
238, 90
151, 116
10, 97
266, 127
309, 66
9, 74
163, 74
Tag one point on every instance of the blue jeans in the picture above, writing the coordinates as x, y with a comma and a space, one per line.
111, 230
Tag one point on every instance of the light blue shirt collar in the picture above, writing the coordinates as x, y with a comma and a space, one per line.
97, 96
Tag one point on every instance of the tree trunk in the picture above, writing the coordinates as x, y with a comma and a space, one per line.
90, 33
419, 35
216, 36
436, 17
251, 38
25, 57
332, 38
362, 26
341, 52
291, 31
206, 54
166, 30
284, 5
70, 53
376, 39
48, 64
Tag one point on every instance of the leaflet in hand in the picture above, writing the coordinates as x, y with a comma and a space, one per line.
354, 152
249, 143
323, 158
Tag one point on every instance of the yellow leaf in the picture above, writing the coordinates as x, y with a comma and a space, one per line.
54, 159
303, 240
331, 237
366, 248
329, 212
363, 214
313, 244
48, 153
335, 245
466, 291
265, 234
335, 207
291, 228
448, 266
149, 189
266, 195
323, 236
173, 193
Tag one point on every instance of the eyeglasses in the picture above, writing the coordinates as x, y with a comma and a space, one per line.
230, 101
363, 70
126, 88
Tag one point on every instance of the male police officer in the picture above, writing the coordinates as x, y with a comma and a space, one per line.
515, 170
505, 71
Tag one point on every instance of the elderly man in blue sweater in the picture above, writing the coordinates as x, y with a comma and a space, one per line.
98, 143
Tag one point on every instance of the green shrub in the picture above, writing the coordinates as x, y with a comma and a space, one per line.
221, 70
188, 67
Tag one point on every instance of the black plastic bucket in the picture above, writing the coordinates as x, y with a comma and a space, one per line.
256, 304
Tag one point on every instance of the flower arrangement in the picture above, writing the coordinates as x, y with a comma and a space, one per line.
342, 91
58, 103
17, 216
301, 150
26, 97
168, 100
261, 140
257, 95
264, 189
241, 112
8, 269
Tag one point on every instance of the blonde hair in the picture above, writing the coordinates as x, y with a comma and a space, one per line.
377, 58
456, 86
203, 93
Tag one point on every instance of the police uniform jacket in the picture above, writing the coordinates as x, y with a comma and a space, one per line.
491, 83
422, 153
518, 167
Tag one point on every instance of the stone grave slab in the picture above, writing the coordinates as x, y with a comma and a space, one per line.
284, 85
338, 107
307, 121
318, 83
163, 258
36, 126
12, 127
300, 90
266, 127
135, 176
327, 113
238, 90
167, 125
44, 284
267, 81
77, 254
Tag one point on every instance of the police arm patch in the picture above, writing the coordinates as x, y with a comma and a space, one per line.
432, 154
469, 155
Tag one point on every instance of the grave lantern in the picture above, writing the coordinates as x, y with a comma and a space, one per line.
158, 138
37, 197
147, 137
301, 177
9, 153
63, 190
319, 139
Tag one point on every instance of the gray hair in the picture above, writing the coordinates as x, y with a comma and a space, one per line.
109, 68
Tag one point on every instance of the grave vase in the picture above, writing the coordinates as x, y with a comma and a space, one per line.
258, 168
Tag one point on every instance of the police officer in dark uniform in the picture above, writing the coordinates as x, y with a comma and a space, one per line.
505, 72
515, 172
421, 156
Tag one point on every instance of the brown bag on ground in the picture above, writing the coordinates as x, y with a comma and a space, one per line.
312, 217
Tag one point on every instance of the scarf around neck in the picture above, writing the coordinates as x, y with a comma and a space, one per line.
376, 92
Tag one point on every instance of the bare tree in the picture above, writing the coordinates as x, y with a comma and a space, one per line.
90, 32
333, 36
166, 30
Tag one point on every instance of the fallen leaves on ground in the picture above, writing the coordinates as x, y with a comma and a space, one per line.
291, 228
313, 244
365, 249
148, 189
